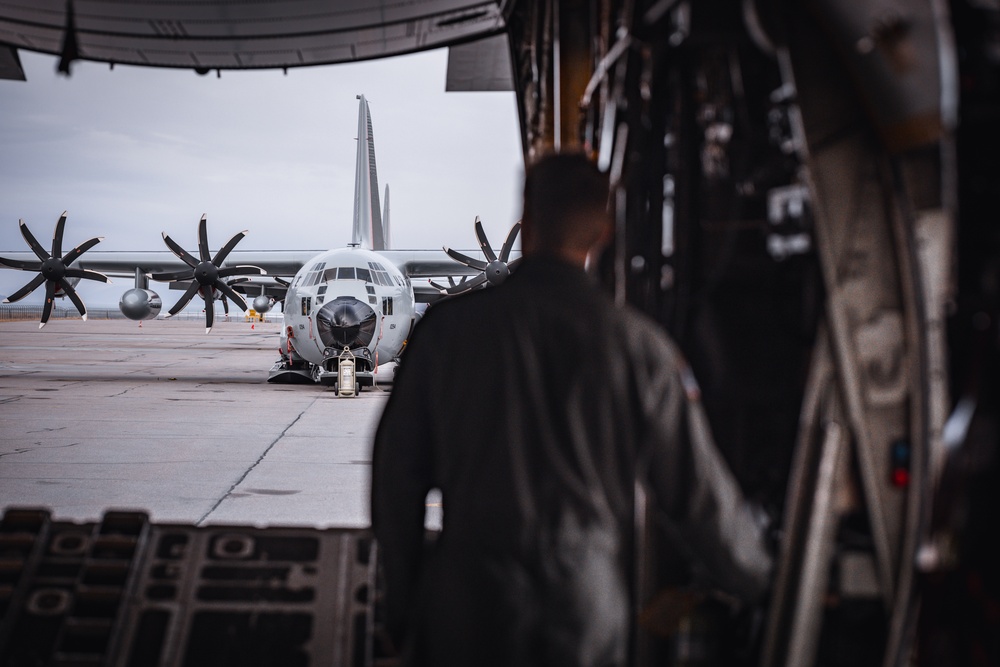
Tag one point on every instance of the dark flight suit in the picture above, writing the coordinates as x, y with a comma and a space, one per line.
534, 406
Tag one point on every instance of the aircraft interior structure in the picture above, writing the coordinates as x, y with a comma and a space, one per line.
801, 200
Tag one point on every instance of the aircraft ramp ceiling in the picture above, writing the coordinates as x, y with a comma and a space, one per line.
242, 34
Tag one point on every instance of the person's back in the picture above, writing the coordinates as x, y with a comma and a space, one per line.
534, 407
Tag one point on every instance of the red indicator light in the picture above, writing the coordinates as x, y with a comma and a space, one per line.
900, 463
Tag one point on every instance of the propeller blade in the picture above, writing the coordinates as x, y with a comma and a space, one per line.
183, 301
231, 293
181, 253
282, 281
50, 295
465, 259
209, 313
74, 297
88, 274
466, 286
225, 305
203, 240
32, 242
173, 276
26, 290
484, 243
508, 245
17, 264
513, 265
57, 238
451, 283
75, 253
228, 248
242, 270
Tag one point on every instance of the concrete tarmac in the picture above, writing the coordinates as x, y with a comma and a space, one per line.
163, 418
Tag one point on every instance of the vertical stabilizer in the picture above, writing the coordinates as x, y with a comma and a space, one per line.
368, 229
385, 219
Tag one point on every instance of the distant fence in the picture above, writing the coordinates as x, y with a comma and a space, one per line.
16, 313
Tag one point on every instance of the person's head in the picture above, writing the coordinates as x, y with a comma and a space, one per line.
565, 208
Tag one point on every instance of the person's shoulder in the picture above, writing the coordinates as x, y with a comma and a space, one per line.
456, 306
644, 333
642, 325
656, 350
451, 312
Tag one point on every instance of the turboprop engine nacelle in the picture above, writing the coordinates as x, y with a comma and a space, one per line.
262, 303
140, 304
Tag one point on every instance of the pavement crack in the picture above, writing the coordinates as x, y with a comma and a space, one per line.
38, 445
255, 464
125, 391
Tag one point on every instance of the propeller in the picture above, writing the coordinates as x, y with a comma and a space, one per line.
494, 270
53, 269
451, 284
286, 285
234, 281
205, 273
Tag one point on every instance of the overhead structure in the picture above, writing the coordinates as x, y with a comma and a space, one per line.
220, 34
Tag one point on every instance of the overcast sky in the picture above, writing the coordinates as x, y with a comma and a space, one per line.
133, 152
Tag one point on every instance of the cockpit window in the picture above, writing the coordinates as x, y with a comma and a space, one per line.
375, 273
380, 275
314, 275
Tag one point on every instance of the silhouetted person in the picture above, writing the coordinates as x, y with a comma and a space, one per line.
534, 407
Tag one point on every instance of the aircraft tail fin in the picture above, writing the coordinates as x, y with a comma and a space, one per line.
368, 227
385, 218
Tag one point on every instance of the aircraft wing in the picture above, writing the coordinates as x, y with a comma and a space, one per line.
429, 263
424, 266
222, 34
113, 263
413, 263
124, 263
420, 266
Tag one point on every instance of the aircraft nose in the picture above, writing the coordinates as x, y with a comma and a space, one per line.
346, 322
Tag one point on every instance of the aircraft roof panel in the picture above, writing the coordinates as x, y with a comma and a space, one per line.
245, 34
